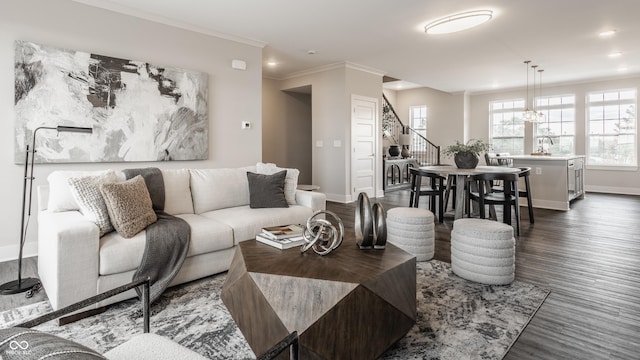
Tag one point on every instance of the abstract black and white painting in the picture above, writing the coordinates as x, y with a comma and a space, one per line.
138, 111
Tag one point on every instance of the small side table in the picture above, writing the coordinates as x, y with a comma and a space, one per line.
306, 187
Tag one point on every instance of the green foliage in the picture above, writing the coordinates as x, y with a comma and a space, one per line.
475, 146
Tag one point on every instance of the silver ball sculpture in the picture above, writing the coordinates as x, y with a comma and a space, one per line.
321, 235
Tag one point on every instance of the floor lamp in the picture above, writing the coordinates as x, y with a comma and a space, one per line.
31, 284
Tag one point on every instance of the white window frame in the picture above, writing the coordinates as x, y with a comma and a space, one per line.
516, 108
543, 106
412, 123
589, 123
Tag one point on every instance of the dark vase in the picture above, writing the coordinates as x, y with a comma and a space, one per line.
466, 160
394, 150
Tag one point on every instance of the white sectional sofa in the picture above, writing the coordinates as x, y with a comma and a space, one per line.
74, 263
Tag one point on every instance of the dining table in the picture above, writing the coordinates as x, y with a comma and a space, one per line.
461, 176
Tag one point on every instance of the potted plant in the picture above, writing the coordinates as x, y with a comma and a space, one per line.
466, 156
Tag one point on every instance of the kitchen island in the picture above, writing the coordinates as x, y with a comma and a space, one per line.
555, 180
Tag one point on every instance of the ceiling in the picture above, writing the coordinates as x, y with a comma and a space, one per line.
388, 37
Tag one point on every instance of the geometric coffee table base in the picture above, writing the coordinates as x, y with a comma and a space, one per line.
341, 308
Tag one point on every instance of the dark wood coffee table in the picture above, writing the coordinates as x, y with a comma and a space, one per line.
350, 304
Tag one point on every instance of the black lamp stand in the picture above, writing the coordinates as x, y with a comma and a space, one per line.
31, 284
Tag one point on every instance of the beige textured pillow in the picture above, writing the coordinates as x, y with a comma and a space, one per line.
86, 192
129, 206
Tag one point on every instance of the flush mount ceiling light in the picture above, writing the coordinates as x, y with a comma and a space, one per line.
458, 22
607, 33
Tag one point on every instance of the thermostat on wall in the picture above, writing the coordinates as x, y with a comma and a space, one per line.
239, 65
245, 125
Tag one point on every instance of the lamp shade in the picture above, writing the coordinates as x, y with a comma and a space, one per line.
405, 139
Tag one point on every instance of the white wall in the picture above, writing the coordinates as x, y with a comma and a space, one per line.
286, 129
445, 114
623, 182
234, 96
331, 115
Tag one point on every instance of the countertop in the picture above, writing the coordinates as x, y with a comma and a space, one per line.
542, 157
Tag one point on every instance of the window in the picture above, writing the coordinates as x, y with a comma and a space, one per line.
418, 122
507, 126
559, 124
611, 128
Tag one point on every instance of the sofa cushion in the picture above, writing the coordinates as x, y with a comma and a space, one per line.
86, 191
60, 197
177, 197
118, 254
290, 182
214, 189
129, 205
267, 191
247, 222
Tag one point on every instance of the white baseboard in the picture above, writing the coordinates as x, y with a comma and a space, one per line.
613, 190
547, 204
11, 252
339, 198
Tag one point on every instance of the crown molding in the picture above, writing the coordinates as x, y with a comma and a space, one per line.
126, 10
332, 66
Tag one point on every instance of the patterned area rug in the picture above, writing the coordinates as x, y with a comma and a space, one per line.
457, 319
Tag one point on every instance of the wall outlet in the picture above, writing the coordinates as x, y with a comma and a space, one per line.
337, 143
245, 125
538, 171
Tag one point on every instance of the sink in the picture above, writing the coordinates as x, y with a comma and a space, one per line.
541, 154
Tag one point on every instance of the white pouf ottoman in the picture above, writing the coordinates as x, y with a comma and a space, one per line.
412, 230
483, 251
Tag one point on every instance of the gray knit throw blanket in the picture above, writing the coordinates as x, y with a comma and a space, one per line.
167, 240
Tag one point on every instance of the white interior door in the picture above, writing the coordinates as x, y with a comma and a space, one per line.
364, 116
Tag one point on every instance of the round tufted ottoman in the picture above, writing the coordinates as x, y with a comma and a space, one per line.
411, 229
483, 251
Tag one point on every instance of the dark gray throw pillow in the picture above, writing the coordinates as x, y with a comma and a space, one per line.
267, 191
22, 343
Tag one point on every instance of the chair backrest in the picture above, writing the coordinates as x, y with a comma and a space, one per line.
524, 171
498, 159
510, 180
434, 179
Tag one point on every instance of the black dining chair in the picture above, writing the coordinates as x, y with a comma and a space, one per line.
484, 195
433, 187
524, 173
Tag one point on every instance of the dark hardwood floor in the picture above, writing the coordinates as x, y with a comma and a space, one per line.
588, 257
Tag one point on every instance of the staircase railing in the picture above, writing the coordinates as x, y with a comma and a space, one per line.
423, 150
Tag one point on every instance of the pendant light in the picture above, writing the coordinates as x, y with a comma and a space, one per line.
528, 114
540, 114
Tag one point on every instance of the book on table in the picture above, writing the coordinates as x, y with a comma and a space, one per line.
282, 244
282, 231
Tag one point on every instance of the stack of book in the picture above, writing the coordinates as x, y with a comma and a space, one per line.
282, 236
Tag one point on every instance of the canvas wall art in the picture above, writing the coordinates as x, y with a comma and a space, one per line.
138, 111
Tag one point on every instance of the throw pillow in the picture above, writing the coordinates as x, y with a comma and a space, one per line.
22, 343
60, 197
290, 182
267, 191
177, 198
129, 206
86, 191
